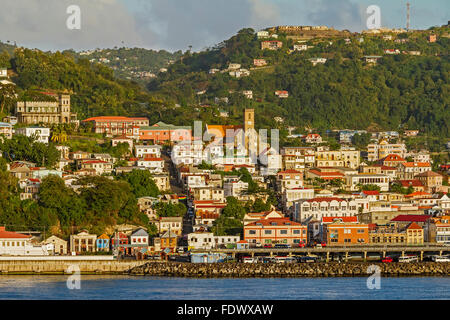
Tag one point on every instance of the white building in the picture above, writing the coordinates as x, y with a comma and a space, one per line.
290, 195
207, 240
154, 165
17, 244
317, 208
39, 133
262, 34
235, 188
315, 61
188, 153
353, 181
6, 130
143, 151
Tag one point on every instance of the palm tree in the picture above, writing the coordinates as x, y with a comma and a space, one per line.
58, 134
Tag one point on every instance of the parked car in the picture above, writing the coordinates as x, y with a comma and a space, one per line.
249, 260
387, 260
442, 258
306, 259
282, 245
267, 246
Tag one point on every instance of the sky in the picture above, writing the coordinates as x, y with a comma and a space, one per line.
177, 24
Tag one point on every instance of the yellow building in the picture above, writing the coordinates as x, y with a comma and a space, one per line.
414, 234
339, 158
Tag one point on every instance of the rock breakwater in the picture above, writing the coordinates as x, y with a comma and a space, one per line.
249, 270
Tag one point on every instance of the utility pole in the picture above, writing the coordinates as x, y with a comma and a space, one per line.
407, 15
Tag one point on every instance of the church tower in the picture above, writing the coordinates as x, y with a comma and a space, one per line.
249, 119
249, 132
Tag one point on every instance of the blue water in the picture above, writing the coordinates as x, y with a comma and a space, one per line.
155, 288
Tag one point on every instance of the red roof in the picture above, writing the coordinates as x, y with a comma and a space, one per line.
414, 226
152, 159
288, 171
11, 235
371, 193
411, 218
393, 157
326, 199
278, 221
93, 161
416, 164
418, 193
113, 118
344, 219
327, 174
414, 183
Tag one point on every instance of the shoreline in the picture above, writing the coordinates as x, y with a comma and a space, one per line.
224, 270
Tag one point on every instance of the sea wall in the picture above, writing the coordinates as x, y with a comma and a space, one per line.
66, 266
331, 269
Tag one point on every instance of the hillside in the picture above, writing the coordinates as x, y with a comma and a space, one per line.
136, 64
402, 90
94, 88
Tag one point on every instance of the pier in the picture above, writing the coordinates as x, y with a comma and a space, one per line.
341, 252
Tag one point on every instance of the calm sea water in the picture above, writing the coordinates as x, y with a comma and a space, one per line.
155, 288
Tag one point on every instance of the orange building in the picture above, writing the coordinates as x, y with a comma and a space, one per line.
117, 126
161, 132
346, 233
275, 231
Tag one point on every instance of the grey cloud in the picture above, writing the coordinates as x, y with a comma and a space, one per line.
201, 23
42, 24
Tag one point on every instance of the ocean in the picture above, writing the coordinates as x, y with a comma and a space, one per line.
93, 287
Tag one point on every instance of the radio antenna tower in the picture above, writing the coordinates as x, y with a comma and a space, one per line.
407, 15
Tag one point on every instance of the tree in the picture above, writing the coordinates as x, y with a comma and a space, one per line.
233, 209
7, 96
164, 209
361, 140
227, 226
141, 183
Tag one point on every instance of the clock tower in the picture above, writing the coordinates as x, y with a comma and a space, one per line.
249, 119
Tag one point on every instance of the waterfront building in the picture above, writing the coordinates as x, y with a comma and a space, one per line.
83, 242
340, 233
59, 245
174, 224
102, 243
275, 231
207, 240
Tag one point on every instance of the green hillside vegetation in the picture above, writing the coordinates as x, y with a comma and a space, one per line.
128, 63
94, 88
99, 204
402, 91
